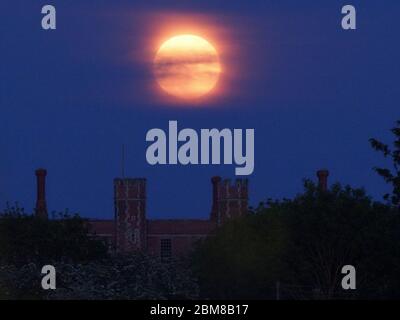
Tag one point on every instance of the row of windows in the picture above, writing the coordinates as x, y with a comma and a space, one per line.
166, 248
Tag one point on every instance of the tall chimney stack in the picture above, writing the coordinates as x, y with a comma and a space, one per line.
215, 197
323, 179
41, 207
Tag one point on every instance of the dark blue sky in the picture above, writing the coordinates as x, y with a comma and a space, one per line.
313, 92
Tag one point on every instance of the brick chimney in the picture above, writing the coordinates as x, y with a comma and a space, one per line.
215, 197
41, 207
323, 179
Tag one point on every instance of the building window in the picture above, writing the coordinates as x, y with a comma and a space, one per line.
166, 249
131, 237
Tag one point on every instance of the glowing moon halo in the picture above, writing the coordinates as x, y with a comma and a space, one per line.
187, 66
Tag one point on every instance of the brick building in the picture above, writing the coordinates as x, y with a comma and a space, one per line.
131, 230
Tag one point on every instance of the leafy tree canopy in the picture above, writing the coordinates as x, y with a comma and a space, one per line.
28, 239
136, 276
296, 248
391, 175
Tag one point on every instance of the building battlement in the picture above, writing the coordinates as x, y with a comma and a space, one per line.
131, 231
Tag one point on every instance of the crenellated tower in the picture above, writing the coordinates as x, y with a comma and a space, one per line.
230, 199
130, 214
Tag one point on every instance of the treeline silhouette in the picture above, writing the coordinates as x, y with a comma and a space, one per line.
283, 249
295, 249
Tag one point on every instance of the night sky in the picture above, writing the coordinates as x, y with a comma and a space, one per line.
313, 92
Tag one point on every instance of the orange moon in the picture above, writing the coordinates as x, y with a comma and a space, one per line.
187, 66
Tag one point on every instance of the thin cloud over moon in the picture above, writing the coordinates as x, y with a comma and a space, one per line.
187, 66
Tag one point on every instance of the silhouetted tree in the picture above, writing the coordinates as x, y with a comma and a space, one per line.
302, 244
136, 276
242, 260
27, 239
391, 176
330, 229
84, 269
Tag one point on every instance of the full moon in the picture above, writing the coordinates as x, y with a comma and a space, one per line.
187, 66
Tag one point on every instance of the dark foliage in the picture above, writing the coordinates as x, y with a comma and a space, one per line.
84, 268
27, 239
135, 277
391, 175
295, 249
